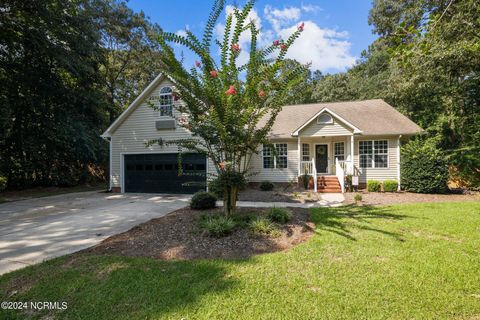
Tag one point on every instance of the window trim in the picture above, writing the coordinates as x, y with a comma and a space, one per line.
275, 156
335, 154
373, 154
306, 155
161, 105
325, 122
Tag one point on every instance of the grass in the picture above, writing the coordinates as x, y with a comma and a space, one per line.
401, 262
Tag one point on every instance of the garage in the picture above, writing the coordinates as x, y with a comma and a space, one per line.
159, 173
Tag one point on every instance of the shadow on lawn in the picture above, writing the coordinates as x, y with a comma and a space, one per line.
343, 220
99, 287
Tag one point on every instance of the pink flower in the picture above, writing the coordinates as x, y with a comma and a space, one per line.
231, 90
261, 94
222, 165
276, 43
174, 96
214, 73
301, 26
235, 47
283, 47
198, 64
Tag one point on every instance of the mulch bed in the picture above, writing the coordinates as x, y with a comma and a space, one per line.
291, 195
178, 237
386, 198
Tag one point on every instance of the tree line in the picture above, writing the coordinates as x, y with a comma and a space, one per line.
67, 69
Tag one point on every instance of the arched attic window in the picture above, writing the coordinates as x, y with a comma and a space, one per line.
166, 102
324, 118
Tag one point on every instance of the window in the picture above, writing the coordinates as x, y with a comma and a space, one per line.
268, 157
282, 155
280, 160
305, 152
166, 102
324, 119
340, 151
373, 154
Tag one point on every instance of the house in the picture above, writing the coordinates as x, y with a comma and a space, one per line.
324, 140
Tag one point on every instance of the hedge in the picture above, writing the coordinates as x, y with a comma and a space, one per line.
424, 168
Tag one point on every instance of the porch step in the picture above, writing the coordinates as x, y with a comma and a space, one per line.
328, 184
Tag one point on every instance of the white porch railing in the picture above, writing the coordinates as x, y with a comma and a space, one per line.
306, 167
340, 168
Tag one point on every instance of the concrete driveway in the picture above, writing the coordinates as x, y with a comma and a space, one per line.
39, 229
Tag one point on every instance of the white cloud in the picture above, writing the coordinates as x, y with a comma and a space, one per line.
326, 49
310, 8
279, 18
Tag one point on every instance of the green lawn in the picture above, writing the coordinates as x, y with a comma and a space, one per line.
401, 262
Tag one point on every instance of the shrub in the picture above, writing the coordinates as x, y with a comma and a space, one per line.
373, 186
358, 197
3, 183
424, 167
390, 185
215, 186
217, 226
266, 185
203, 200
306, 181
263, 226
280, 215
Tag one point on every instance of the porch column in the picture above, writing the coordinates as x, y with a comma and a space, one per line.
352, 154
299, 156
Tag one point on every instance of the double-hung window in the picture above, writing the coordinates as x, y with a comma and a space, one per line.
305, 152
339, 149
166, 102
373, 154
279, 160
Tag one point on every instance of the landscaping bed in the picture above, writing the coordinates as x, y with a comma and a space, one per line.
387, 198
279, 194
178, 236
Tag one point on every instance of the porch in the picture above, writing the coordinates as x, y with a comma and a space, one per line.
327, 160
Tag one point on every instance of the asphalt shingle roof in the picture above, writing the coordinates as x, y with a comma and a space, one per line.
372, 117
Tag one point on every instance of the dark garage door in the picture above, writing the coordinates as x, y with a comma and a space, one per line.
158, 173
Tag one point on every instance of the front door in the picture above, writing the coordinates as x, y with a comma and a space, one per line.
321, 158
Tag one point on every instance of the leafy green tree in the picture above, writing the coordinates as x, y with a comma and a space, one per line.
230, 108
130, 54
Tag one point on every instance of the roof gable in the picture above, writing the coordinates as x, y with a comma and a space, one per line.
134, 105
315, 117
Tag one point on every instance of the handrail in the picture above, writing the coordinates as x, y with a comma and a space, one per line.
340, 173
314, 174
306, 168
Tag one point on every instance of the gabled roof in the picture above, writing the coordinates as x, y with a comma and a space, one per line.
368, 117
326, 110
138, 101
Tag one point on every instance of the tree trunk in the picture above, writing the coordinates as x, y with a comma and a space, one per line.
230, 196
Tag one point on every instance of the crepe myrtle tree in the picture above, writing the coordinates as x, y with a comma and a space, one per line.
229, 107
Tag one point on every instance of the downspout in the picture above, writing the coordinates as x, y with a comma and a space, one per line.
109, 139
398, 162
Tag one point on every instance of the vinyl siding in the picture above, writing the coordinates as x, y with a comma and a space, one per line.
276, 175
138, 128
380, 174
336, 128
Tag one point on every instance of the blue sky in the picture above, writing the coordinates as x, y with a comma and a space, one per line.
336, 31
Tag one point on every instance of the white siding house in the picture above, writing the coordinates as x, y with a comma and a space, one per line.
361, 138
